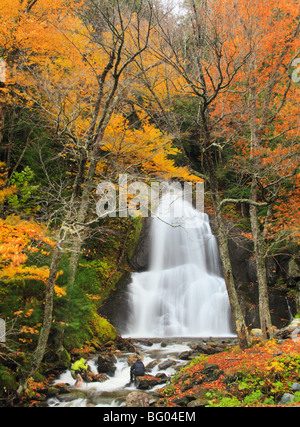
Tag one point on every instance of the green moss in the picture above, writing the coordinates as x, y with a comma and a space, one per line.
102, 330
8, 382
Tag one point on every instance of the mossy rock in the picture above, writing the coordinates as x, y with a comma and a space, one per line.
103, 331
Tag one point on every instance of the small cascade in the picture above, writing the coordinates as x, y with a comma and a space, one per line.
183, 293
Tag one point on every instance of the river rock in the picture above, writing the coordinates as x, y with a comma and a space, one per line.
94, 378
148, 381
166, 364
186, 355
70, 397
137, 399
106, 364
152, 364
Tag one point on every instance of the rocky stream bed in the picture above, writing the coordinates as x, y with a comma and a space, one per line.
110, 373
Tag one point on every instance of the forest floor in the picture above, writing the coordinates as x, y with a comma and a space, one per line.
268, 374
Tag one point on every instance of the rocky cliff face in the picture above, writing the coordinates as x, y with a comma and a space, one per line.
282, 284
283, 278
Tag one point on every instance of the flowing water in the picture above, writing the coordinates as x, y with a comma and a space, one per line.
183, 294
113, 392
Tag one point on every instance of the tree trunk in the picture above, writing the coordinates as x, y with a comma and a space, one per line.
47, 322
237, 314
44, 334
264, 308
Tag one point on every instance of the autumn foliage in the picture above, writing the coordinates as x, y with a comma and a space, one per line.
98, 88
255, 377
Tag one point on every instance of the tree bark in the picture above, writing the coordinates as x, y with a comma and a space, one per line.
264, 307
47, 322
237, 314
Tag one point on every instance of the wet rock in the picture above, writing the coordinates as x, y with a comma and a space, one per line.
137, 399
148, 381
74, 395
152, 364
166, 364
93, 378
200, 348
52, 392
64, 388
162, 377
186, 355
106, 364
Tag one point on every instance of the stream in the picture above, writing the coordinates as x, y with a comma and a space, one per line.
113, 392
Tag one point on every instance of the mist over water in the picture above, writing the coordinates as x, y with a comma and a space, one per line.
183, 294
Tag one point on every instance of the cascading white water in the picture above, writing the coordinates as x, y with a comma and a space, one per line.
183, 293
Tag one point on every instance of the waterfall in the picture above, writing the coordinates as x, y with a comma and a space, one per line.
183, 293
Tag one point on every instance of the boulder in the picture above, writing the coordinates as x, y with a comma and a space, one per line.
295, 324
71, 396
294, 269
94, 378
152, 364
137, 399
286, 398
106, 364
186, 355
198, 403
296, 387
182, 401
256, 333
148, 381
212, 372
166, 364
